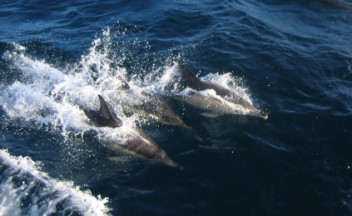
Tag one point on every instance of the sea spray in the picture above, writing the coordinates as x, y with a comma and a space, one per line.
27, 190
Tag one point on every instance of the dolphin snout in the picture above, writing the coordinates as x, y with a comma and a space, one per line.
264, 115
171, 163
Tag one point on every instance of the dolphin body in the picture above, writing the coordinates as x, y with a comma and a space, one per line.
138, 143
228, 102
141, 145
154, 107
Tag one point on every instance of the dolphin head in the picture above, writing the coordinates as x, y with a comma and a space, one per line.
165, 159
260, 114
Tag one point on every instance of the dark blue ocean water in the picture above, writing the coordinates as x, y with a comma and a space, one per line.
294, 58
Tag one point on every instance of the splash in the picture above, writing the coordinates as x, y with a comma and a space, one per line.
45, 94
168, 84
26, 190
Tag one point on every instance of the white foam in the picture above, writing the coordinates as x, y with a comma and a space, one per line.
45, 194
10, 203
228, 81
45, 94
169, 76
48, 95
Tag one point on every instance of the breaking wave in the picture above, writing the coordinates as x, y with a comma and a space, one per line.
26, 190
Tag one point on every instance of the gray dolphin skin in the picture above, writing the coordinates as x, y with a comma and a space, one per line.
153, 107
138, 144
230, 104
103, 117
143, 146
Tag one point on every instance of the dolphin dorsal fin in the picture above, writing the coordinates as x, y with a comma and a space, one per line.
104, 109
188, 75
106, 113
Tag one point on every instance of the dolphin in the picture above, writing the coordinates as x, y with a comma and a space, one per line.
138, 143
228, 101
153, 107
141, 145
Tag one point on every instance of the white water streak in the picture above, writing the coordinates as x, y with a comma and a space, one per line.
45, 193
